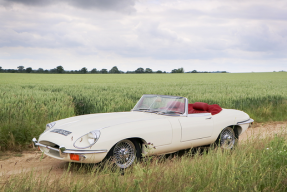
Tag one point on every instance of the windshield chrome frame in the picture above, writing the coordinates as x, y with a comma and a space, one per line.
185, 100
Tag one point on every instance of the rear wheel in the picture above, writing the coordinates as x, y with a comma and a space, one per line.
125, 153
227, 138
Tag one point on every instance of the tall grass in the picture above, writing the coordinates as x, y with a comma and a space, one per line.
29, 101
250, 167
23, 113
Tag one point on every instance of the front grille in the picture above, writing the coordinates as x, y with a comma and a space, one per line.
50, 151
49, 144
54, 153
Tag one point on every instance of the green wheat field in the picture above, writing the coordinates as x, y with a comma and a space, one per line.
29, 101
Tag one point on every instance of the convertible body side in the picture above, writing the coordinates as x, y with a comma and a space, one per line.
166, 134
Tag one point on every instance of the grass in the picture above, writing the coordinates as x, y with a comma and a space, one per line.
29, 101
255, 165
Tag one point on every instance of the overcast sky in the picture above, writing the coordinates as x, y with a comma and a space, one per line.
205, 35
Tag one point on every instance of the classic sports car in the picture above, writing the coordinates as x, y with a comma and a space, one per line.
158, 124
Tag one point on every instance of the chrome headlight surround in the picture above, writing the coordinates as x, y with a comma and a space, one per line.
50, 126
87, 140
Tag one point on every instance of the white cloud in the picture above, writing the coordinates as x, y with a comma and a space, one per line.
216, 35
116, 5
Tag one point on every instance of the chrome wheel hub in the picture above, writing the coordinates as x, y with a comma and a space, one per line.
227, 139
124, 153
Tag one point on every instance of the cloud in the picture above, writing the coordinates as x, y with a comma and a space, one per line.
115, 5
155, 33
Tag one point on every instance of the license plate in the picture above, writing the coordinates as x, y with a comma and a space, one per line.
61, 131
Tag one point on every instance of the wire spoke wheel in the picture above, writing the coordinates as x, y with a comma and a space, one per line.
124, 153
227, 138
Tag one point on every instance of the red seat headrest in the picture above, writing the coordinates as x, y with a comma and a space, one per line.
200, 106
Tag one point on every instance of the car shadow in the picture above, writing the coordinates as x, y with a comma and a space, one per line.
189, 152
107, 166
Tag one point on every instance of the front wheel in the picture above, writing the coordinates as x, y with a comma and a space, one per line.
227, 138
124, 153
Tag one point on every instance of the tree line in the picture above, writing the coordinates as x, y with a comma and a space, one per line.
84, 70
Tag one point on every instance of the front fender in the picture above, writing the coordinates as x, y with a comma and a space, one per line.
157, 131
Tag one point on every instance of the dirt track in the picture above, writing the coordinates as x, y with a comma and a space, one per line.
27, 160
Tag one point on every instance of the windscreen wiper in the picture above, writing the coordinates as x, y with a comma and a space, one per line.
153, 111
169, 112
143, 109
148, 110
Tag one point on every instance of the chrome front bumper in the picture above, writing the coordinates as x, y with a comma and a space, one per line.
63, 150
245, 122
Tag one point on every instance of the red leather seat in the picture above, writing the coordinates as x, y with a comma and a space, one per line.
214, 109
200, 107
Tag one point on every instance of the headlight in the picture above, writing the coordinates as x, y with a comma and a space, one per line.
87, 140
50, 125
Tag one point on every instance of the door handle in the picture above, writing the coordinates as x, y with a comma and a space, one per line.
208, 117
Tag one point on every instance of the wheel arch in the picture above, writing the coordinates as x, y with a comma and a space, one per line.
140, 140
237, 130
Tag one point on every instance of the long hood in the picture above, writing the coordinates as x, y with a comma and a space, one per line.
86, 123
81, 125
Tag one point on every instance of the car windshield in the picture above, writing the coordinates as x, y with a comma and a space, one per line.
161, 104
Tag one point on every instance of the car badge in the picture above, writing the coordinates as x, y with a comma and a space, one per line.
61, 131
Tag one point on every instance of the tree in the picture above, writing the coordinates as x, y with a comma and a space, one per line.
179, 70
159, 71
84, 70
194, 71
148, 70
11, 71
21, 68
40, 70
174, 71
60, 69
94, 70
130, 72
139, 70
114, 70
104, 71
29, 70
53, 70
0, 68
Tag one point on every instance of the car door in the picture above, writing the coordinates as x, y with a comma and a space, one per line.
196, 126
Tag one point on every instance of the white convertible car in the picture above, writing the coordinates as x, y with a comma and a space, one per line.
158, 124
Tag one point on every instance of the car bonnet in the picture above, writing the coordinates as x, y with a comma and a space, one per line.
80, 125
